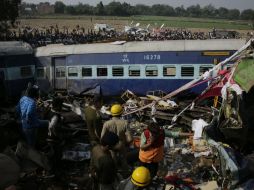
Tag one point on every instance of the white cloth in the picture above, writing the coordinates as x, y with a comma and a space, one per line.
105, 110
206, 75
197, 127
76, 109
172, 103
52, 124
153, 110
224, 91
234, 87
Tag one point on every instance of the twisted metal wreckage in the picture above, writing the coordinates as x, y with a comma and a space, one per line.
228, 136
218, 155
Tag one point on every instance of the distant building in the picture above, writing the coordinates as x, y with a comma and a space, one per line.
27, 11
45, 8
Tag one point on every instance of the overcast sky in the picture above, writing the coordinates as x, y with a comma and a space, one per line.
230, 4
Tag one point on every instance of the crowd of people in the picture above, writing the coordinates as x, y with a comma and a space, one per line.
37, 37
53, 35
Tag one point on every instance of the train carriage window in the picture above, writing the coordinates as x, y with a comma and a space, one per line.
169, 71
40, 73
86, 71
60, 72
102, 71
26, 71
72, 72
187, 71
203, 69
117, 71
134, 71
151, 71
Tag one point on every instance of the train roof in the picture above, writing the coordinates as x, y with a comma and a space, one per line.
15, 48
141, 46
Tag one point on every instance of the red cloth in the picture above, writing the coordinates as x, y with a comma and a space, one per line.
159, 141
215, 90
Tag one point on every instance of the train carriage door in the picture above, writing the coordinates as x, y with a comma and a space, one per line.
59, 73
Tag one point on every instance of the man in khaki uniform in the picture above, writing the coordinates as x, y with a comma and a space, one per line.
120, 127
93, 121
102, 164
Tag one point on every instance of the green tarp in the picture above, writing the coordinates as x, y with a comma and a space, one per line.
244, 74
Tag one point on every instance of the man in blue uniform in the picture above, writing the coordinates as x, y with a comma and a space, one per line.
26, 109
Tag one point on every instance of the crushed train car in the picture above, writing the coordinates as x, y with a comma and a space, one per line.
17, 68
188, 163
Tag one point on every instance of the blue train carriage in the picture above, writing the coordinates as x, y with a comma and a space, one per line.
17, 68
137, 66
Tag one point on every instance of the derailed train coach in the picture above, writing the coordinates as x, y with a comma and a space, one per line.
17, 68
136, 66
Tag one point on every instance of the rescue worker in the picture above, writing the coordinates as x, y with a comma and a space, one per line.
119, 126
140, 179
26, 109
152, 147
93, 120
55, 116
102, 164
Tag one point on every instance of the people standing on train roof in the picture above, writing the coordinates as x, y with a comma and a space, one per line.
120, 127
93, 120
103, 167
27, 112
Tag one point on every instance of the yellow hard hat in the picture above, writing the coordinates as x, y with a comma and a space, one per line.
116, 110
141, 176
